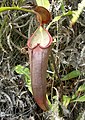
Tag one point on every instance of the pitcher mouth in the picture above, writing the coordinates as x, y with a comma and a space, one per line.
41, 38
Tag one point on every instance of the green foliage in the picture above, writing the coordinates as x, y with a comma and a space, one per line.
22, 70
66, 100
62, 6
78, 12
57, 18
44, 3
71, 75
81, 88
79, 99
25, 72
75, 97
75, 14
64, 14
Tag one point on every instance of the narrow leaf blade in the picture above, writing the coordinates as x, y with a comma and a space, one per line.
71, 75
81, 88
80, 99
66, 100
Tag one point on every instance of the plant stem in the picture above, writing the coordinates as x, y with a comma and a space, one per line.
2, 9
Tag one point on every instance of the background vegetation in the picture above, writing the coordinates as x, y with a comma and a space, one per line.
66, 66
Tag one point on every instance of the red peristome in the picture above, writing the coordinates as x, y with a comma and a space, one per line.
38, 56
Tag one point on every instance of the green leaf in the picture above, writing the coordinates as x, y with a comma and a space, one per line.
44, 3
68, 13
74, 96
56, 18
59, 17
62, 6
78, 12
21, 69
24, 71
66, 100
71, 75
64, 14
49, 103
80, 99
28, 82
81, 88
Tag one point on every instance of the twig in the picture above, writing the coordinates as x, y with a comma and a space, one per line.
55, 68
22, 16
21, 34
22, 25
